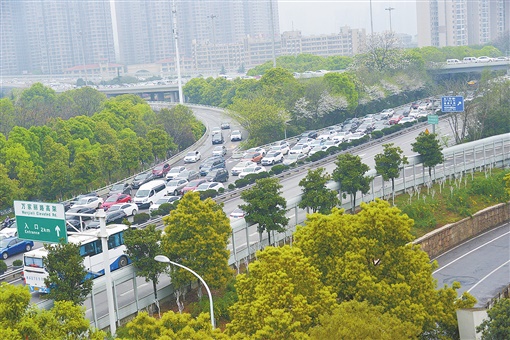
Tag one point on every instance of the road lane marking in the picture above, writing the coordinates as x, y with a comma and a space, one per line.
486, 276
469, 252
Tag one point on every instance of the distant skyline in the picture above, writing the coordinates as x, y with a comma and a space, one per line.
313, 17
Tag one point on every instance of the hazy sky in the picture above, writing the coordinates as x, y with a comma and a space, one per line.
326, 16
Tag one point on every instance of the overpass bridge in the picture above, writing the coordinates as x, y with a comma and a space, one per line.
166, 92
443, 68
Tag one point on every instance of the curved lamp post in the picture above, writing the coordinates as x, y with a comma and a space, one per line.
164, 259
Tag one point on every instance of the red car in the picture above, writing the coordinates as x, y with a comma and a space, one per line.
395, 119
161, 170
114, 199
191, 186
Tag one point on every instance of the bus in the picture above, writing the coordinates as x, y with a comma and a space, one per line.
91, 251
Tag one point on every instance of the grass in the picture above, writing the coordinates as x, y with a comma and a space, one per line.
452, 200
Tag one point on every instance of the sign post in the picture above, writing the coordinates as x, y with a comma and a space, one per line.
433, 120
38, 221
452, 104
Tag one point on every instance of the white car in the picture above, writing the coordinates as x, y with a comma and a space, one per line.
215, 129
10, 231
387, 113
237, 214
300, 148
356, 135
210, 186
407, 120
192, 157
484, 59
130, 209
252, 170
331, 143
316, 149
272, 158
175, 185
88, 202
293, 158
340, 136
174, 172
327, 135
239, 167
163, 200
219, 151
236, 135
283, 148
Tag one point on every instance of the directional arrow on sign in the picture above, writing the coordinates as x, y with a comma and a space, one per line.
57, 230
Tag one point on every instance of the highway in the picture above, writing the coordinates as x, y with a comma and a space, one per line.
481, 265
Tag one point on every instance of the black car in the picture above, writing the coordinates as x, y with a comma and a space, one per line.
114, 217
69, 204
141, 179
218, 175
120, 188
217, 138
214, 164
75, 223
225, 125
310, 134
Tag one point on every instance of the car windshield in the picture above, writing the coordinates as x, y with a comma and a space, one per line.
272, 154
173, 183
142, 193
118, 187
4, 242
292, 156
190, 154
174, 171
203, 186
82, 201
140, 177
193, 183
249, 170
113, 198
114, 208
162, 200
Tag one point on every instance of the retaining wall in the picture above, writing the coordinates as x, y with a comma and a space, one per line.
440, 240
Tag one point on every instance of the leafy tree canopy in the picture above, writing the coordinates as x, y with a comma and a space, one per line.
497, 326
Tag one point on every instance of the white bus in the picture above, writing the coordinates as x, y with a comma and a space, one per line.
91, 251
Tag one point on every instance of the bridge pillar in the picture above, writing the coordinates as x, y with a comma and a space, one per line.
175, 97
152, 96
161, 96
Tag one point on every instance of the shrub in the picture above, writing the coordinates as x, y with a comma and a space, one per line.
459, 202
141, 218
278, 169
422, 212
17, 263
241, 182
208, 193
221, 190
333, 150
318, 155
3, 266
377, 134
221, 304
165, 208
231, 186
490, 188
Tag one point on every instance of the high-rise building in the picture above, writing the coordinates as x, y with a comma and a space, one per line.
461, 22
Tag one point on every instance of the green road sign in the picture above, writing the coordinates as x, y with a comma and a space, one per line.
38, 221
432, 119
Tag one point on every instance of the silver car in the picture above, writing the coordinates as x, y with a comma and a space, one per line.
175, 185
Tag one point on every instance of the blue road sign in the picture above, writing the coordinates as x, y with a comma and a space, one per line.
452, 104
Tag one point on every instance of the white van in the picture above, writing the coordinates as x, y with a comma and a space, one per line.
453, 61
150, 192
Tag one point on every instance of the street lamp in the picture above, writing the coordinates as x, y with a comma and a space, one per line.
389, 9
164, 259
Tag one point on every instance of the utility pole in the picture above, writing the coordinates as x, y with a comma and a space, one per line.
272, 30
389, 9
212, 17
371, 20
177, 59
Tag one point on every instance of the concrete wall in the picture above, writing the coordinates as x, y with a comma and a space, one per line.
440, 240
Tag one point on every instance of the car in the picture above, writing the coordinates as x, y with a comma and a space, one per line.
254, 157
130, 209
365, 128
453, 61
191, 186
217, 138
215, 130
331, 143
174, 172
395, 119
192, 157
161, 170
237, 154
469, 60
300, 148
225, 125
219, 151
407, 120
483, 59
188, 175
387, 113
293, 158
120, 188
316, 149
316, 142
213, 164
309, 134
174, 186
163, 200
328, 134
237, 214
236, 136
340, 136
88, 202
13, 245
210, 186
112, 217
258, 149
10, 231
114, 199
76, 222
272, 158
500, 59
282, 147
217, 175
141, 179
238, 168
252, 170
356, 135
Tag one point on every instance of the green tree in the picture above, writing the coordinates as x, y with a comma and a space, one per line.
498, 325
265, 206
195, 89
281, 86
85, 170
66, 273
359, 320
8, 187
429, 148
162, 143
281, 297
341, 84
88, 100
388, 163
350, 174
170, 326
142, 246
7, 115
316, 195
181, 124
130, 150
369, 257
36, 105
263, 119
109, 159
196, 236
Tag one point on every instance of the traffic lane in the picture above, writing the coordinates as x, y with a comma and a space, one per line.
478, 264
